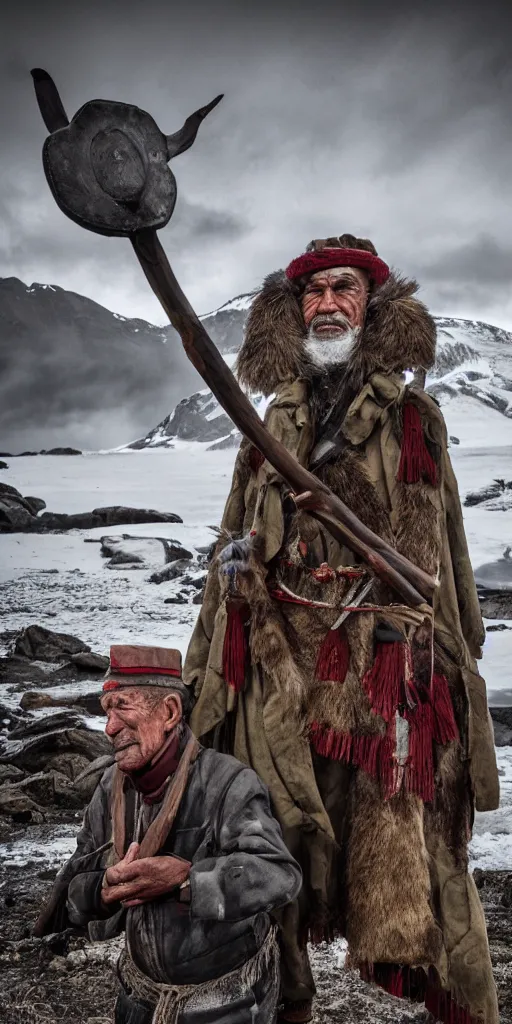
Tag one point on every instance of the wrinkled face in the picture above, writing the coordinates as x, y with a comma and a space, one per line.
138, 729
333, 305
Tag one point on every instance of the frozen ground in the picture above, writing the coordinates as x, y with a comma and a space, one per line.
104, 606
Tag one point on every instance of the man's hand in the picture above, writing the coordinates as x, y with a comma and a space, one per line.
133, 881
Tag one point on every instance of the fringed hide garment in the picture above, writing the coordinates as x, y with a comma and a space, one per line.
367, 720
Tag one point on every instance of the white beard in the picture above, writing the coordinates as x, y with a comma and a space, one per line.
331, 351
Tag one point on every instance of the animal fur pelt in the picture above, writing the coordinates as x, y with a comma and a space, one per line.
398, 334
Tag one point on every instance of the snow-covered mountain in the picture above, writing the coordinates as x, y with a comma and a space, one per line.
74, 373
472, 381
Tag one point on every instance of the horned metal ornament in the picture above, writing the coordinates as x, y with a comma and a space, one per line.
108, 171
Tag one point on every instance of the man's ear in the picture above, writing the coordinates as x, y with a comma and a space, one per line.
175, 711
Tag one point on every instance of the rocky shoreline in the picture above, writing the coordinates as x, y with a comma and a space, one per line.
52, 754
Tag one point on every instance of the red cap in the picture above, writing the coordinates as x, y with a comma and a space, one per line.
325, 259
135, 661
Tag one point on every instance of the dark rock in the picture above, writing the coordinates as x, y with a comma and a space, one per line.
194, 581
176, 599
454, 440
89, 661
171, 571
62, 451
175, 551
9, 490
506, 898
45, 789
149, 551
90, 702
3, 465
502, 735
9, 773
70, 765
86, 782
502, 724
122, 558
495, 604
17, 515
498, 628
37, 504
17, 804
39, 644
11, 718
117, 515
41, 726
32, 745
198, 598
488, 493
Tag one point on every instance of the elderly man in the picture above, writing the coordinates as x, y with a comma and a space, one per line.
368, 721
178, 848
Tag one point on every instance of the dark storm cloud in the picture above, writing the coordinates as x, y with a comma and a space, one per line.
389, 120
484, 262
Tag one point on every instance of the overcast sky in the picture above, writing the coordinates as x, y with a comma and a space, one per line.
388, 120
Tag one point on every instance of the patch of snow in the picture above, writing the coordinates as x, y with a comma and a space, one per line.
491, 845
48, 853
241, 304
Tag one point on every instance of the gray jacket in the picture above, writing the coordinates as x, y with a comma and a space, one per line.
241, 870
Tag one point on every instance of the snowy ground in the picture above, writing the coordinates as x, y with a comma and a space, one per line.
104, 606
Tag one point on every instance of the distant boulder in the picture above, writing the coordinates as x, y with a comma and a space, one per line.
37, 504
496, 576
62, 451
171, 571
39, 644
149, 552
3, 465
20, 515
40, 658
496, 496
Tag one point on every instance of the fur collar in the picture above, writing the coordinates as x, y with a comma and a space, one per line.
399, 334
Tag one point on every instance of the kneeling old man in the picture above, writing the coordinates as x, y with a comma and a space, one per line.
192, 861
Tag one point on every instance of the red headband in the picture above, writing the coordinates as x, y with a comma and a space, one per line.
325, 259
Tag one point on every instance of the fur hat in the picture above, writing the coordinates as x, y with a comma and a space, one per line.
344, 251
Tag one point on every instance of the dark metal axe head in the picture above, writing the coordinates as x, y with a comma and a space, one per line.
108, 168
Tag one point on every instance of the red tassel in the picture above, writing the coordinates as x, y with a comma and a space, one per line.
416, 462
330, 743
234, 651
383, 682
414, 984
445, 726
333, 656
420, 767
256, 459
367, 754
443, 1006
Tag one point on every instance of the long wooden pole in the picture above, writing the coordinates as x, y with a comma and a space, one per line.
413, 585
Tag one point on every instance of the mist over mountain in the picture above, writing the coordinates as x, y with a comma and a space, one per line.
471, 381
74, 373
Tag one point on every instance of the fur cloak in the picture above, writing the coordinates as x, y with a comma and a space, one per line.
383, 853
